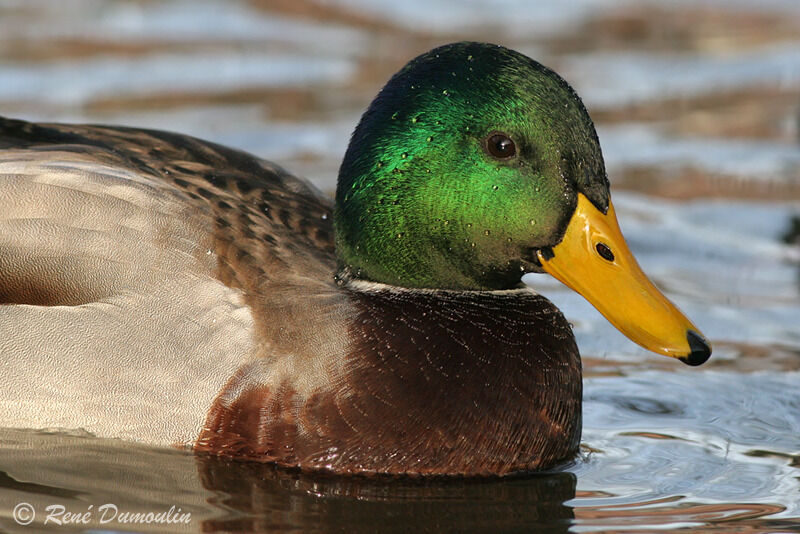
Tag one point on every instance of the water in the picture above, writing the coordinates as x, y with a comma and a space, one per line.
697, 106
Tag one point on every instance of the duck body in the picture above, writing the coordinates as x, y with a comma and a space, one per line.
147, 295
160, 288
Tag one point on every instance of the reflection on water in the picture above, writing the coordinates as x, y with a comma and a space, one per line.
271, 500
695, 101
695, 437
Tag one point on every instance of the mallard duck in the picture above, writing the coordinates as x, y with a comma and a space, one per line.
160, 288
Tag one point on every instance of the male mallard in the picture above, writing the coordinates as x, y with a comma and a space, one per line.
160, 288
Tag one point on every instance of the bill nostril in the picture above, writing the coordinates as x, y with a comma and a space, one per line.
604, 251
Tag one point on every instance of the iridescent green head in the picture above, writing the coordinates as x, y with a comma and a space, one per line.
467, 163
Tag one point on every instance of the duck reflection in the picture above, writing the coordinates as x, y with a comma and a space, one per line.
261, 498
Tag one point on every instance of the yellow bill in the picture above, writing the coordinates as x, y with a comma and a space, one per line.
594, 260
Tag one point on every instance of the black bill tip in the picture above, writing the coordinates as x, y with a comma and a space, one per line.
701, 350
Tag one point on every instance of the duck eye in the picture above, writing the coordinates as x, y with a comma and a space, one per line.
500, 146
604, 251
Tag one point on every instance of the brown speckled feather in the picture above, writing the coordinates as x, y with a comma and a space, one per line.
195, 296
253, 202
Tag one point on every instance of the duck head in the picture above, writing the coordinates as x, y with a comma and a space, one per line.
475, 165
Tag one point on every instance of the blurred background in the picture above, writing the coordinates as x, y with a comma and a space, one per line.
697, 104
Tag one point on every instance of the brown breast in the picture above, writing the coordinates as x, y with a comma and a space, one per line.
434, 382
